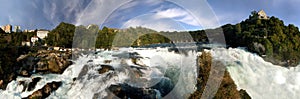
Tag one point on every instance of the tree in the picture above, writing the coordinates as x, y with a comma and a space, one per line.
61, 36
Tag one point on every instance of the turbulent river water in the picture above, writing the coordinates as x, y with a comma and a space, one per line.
261, 79
161, 73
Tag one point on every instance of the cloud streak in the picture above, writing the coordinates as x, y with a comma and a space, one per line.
40, 13
178, 15
47, 14
163, 10
151, 21
97, 11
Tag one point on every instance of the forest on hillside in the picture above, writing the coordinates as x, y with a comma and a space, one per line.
266, 37
271, 38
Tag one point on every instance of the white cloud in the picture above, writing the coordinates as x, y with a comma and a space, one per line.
201, 12
188, 13
44, 13
151, 21
171, 13
194, 16
97, 11
178, 15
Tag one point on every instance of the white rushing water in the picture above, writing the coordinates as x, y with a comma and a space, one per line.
261, 79
155, 63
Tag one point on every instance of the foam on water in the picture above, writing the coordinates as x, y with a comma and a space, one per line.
261, 79
156, 62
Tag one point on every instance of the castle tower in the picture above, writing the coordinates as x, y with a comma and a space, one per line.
262, 15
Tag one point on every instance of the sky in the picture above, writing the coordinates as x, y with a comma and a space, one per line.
160, 15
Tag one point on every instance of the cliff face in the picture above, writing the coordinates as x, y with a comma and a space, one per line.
227, 89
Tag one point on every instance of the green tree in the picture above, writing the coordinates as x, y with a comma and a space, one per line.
61, 36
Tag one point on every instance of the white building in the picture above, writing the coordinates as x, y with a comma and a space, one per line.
56, 48
42, 33
34, 39
26, 30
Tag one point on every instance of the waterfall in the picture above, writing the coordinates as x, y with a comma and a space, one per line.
143, 69
261, 79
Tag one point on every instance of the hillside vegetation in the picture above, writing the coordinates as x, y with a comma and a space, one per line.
271, 38
267, 37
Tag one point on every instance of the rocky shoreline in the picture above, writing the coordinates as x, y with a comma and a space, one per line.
41, 62
44, 62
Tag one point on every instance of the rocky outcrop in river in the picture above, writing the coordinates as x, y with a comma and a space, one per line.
44, 62
45, 91
41, 62
227, 88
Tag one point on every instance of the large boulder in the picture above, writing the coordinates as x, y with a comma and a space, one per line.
1, 83
32, 84
42, 65
124, 91
105, 68
45, 91
24, 73
53, 66
44, 62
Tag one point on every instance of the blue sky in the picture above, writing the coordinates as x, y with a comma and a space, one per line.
160, 15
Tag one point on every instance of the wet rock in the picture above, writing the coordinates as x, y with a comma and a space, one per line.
134, 55
105, 68
74, 79
227, 88
53, 66
90, 61
11, 77
24, 73
56, 64
107, 61
27, 62
116, 89
125, 91
244, 94
111, 93
36, 95
83, 71
1, 83
134, 61
32, 84
45, 62
45, 91
24, 84
21, 57
42, 66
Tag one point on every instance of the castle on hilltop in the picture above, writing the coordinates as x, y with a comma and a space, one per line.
262, 15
